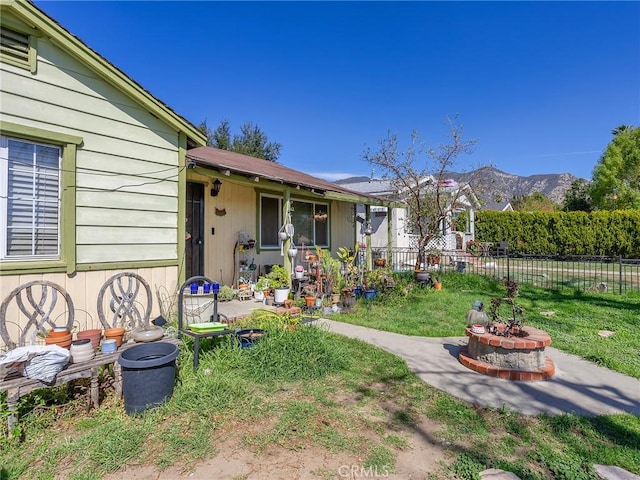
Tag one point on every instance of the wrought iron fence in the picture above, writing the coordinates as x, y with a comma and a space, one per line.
587, 273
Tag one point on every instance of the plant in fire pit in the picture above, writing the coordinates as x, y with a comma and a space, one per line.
507, 312
474, 248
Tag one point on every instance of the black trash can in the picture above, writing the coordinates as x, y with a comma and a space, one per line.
148, 375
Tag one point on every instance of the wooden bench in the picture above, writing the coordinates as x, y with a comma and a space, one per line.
41, 302
17, 386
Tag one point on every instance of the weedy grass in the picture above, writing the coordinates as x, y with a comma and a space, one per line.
307, 387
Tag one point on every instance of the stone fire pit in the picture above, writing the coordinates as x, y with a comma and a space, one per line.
518, 357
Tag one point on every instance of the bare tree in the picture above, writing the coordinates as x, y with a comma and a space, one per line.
418, 175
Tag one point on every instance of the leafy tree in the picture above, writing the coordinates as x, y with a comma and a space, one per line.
621, 129
425, 190
251, 141
577, 198
536, 202
616, 177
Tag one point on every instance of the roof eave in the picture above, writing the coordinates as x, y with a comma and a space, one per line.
66, 41
225, 170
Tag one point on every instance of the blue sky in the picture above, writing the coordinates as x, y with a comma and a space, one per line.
540, 85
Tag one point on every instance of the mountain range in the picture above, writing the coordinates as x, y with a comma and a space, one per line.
496, 188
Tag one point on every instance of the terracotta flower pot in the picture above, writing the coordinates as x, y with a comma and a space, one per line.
116, 333
94, 335
58, 334
61, 341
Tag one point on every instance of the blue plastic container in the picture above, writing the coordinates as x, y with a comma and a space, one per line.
249, 337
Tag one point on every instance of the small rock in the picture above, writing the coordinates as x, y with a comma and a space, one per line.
547, 314
605, 333
497, 474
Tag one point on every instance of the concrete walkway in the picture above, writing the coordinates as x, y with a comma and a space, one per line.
578, 386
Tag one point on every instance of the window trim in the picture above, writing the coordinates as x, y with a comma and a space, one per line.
69, 145
280, 197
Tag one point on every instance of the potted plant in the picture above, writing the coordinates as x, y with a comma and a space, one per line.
260, 287
280, 281
331, 268
351, 272
310, 292
226, 293
433, 257
379, 279
474, 248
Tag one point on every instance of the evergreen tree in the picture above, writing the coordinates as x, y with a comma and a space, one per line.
250, 141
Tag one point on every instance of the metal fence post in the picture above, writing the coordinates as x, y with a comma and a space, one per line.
508, 270
620, 274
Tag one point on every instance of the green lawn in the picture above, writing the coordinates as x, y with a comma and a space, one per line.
306, 388
574, 324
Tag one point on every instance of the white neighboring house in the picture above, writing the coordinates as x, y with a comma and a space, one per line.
501, 206
401, 235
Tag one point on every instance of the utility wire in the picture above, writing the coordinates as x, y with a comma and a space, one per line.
96, 189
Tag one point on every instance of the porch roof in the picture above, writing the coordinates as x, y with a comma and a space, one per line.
230, 163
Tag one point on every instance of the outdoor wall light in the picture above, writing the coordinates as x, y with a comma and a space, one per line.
215, 189
368, 230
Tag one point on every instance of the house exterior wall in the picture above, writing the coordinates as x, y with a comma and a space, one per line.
118, 220
342, 225
240, 202
120, 184
84, 288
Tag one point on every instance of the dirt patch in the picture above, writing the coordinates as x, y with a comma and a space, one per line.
418, 452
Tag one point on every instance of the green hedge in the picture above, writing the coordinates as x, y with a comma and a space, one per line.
563, 233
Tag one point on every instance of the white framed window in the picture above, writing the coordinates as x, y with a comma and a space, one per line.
310, 222
30, 199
